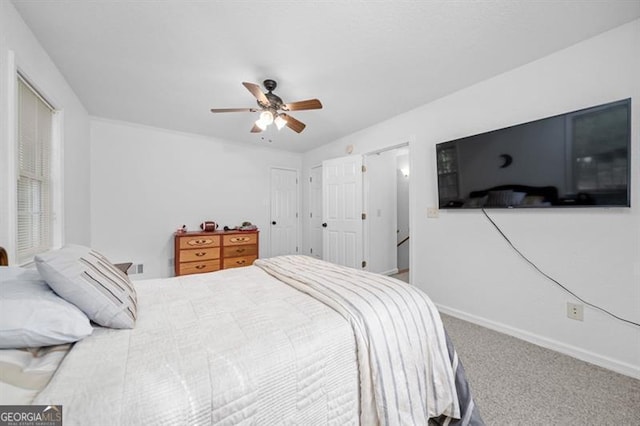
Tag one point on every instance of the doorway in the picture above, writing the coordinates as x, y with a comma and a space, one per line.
365, 204
386, 202
403, 243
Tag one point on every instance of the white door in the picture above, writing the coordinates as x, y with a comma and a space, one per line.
315, 212
342, 211
381, 208
284, 211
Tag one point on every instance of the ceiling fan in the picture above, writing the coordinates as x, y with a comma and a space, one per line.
274, 110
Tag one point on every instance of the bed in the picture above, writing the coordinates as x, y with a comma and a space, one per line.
288, 340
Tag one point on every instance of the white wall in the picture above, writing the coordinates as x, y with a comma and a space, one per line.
465, 265
19, 49
146, 182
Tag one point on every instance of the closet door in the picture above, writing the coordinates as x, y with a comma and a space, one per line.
284, 211
342, 211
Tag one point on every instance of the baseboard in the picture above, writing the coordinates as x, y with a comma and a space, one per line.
575, 352
390, 272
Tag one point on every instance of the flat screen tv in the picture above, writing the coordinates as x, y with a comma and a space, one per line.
577, 159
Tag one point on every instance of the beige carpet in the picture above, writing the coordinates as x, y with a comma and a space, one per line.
517, 383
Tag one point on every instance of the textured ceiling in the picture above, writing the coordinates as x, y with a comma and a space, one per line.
166, 63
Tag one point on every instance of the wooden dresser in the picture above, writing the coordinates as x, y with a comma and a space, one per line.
197, 252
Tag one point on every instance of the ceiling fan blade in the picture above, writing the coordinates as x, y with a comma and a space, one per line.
300, 105
257, 92
233, 110
255, 129
295, 125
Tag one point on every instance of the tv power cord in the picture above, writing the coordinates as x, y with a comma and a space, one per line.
553, 279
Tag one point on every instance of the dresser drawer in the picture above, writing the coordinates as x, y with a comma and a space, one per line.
236, 262
249, 250
199, 267
199, 241
240, 239
199, 254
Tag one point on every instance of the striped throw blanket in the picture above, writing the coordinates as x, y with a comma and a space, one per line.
406, 375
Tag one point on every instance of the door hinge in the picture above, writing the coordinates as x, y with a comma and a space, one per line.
296, 215
311, 250
311, 215
296, 249
310, 179
364, 168
364, 263
296, 181
364, 216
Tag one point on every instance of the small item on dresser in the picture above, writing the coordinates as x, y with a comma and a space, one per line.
247, 226
208, 226
182, 229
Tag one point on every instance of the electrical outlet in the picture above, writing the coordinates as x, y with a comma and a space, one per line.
136, 268
575, 311
433, 212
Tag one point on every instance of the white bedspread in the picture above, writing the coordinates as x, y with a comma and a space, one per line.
230, 347
406, 375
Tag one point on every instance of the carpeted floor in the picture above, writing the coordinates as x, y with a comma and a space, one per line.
517, 383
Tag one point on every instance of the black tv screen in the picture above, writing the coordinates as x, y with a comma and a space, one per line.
581, 158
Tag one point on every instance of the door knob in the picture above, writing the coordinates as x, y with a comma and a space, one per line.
324, 225
273, 223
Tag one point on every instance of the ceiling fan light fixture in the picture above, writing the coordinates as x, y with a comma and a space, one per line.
266, 117
261, 124
272, 109
280, 122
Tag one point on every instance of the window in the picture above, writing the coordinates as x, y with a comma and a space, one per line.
600, 150
34, 200
447, 158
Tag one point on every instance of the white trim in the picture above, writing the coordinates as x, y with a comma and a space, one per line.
35, 91
389, 148
581, 354
366, 231
57, 179
308, 220
413, 196
10, 177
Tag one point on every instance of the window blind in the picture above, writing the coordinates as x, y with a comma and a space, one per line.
34, 215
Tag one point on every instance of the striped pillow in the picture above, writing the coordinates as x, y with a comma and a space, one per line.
87, 279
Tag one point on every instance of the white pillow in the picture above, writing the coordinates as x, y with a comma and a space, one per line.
90, 281
31, 315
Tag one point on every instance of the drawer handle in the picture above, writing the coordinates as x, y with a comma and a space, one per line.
239, 239
199, 242
240, 250
202, 253
240, 262
201, 266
